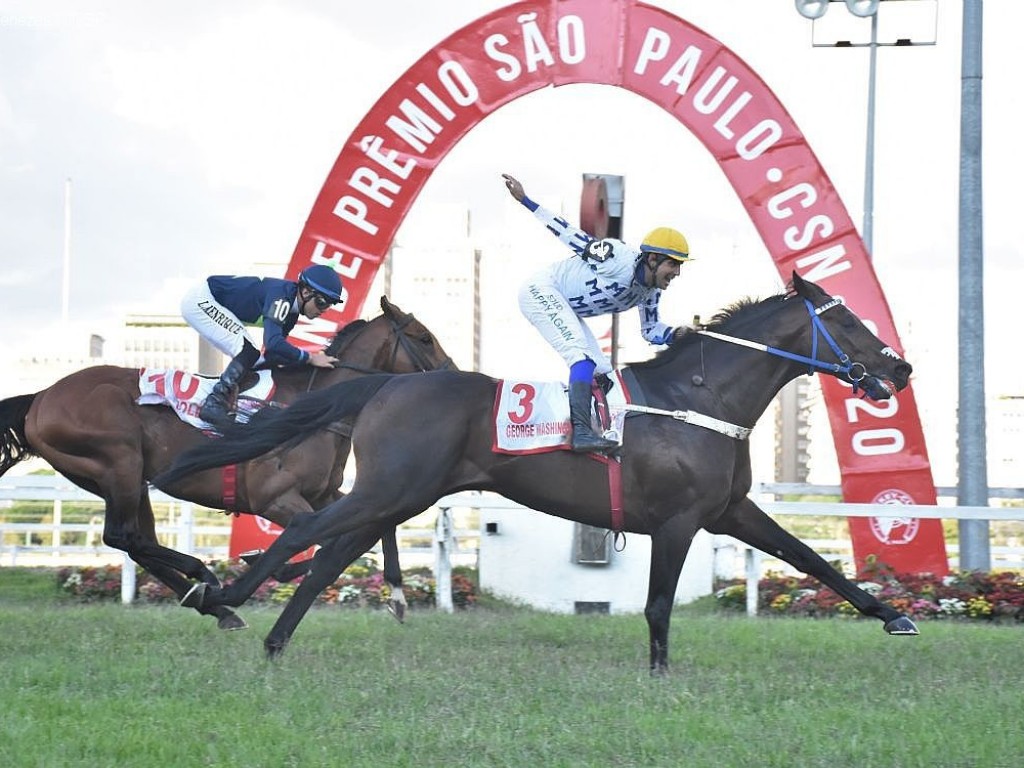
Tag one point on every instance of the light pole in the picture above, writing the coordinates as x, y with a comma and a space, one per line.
814, 10
972, 488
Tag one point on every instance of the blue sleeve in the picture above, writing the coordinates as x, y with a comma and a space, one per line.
572, 236
651, 327
278, 320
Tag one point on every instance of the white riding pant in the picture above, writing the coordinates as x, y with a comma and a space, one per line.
545, 306
214, 322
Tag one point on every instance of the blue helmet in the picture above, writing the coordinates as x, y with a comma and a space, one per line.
322, 279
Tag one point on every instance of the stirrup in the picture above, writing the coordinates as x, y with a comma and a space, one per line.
588, 442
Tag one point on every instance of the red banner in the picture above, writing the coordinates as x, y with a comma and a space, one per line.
252, 532
716, 96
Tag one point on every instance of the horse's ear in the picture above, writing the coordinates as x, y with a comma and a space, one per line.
385, 305
806, 288
798, 283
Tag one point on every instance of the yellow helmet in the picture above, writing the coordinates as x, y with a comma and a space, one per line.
667, 241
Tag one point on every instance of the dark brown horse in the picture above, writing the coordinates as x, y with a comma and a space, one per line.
90, 429
419, 438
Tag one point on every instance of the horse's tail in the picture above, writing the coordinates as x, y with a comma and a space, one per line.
276, 427
13, 443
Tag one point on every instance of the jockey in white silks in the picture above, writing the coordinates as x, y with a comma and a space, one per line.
601, 277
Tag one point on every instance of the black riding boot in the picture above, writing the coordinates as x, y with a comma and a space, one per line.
583, 438
215, 410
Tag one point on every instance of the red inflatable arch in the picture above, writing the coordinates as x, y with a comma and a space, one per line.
716, 96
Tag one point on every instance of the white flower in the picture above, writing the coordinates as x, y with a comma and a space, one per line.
952, 605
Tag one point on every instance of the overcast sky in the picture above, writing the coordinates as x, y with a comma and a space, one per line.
198, 133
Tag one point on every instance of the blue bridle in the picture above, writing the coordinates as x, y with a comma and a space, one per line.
845, 366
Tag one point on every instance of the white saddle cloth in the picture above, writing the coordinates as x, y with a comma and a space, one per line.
185, 392
533, 416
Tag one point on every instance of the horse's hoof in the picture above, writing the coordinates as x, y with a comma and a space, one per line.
231, 622
901, 626
194, 597
396, 609
274, 649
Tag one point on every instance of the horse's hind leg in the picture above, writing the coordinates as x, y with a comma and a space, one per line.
139, 542
328, 564
745, 521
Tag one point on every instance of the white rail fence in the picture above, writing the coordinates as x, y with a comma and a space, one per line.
450, 544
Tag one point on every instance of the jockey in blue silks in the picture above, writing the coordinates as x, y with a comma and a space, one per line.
220, 307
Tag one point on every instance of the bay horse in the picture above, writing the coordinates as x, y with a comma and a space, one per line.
90, 429
416, 439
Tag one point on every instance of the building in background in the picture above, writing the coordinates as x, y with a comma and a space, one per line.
792, 432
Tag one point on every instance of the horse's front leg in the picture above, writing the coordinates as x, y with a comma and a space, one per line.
327, 565
396, 603
669, 545
745, 521
393, 574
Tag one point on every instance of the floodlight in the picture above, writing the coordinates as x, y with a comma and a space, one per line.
811, 9
862, 8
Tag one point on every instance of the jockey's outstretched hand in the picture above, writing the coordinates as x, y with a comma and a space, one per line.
514, 187
321, 360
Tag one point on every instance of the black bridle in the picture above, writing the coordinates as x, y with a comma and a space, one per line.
419, 359
402, 341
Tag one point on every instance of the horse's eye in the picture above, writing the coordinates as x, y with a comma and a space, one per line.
426, 338
848, 320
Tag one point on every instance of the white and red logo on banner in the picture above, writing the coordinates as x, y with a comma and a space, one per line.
717, 97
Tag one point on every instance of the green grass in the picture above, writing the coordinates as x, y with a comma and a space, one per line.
32, 586
109, 685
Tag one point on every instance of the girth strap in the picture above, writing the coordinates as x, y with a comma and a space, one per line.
697, 419
229, 486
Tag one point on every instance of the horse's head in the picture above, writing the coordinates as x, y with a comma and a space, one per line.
393, 342
847, 349
411, 347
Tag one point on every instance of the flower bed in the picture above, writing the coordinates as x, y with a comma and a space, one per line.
973, 596
361, 585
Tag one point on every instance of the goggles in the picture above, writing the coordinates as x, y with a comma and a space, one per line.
322, 302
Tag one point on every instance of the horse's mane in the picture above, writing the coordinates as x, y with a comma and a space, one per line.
342, 336
742, 312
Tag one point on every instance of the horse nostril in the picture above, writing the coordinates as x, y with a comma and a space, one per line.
904, 370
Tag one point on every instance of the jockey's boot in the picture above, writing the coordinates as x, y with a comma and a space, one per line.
583, 438
215, 409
